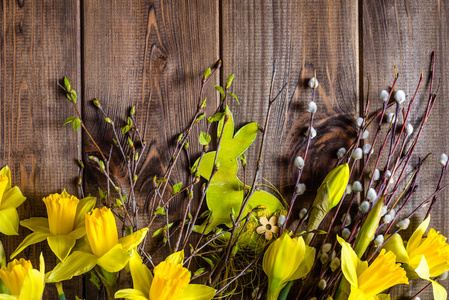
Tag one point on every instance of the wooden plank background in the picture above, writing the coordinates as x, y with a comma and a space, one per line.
152, 54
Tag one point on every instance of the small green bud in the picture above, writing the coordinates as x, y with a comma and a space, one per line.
96, 103
80, 163
130, 142
133, 110
108, 120
136, 156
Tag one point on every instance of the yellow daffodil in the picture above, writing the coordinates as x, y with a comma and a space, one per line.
170, 281
65, 224
328, 196
286, 259
10, 198
22, 281
107, 250
423, 257
367, 282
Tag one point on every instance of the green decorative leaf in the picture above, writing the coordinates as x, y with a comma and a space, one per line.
215, 118
95, 280
204, 138
200, 117
68, 120
76, 124
198, 272
220, 89
229, 81
225, 180
119, 202
177, 187
235, 97
207, 72
160, 211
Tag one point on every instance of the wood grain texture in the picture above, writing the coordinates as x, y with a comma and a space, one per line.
151, 54
39, 44
399, 33
323, 37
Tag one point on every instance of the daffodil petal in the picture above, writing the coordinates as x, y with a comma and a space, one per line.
420, 266
36, 224
33, 286
196, 292
176, 258
9, 221
306, 264
384, 297
349, 262
416, 237
13, 197
78, 233
131, 241
61, 245
7, 297
130, 294
31, 239
84, 206
5, 171
115, 259
357, 294
142, 277
75, 264
396, 245
439, 292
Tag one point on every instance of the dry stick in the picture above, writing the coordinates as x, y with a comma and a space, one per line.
443, 172
422, 290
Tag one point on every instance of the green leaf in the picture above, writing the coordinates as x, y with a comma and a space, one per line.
157, 232
203, 104
160, 211
209, 261
198, 272
125, 129
200, 117
76, 124
204, 138
235, 97
67, 84
177, 187
130, 122
180, 137
95, 280
162, 180
220, 89
229, 81
74, 96
215, 118
68, 120
102, 194
133, 110
108, 120
207, 72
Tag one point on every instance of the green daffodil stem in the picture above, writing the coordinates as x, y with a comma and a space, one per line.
284, 293
109, 281
60, 290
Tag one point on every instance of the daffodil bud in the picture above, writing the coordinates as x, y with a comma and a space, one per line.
369, 228
329, 194
341, 152
335, 264
312, 107
384, 95
281, 268
299, 162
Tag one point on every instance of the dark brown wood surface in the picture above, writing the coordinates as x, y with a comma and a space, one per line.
152, 54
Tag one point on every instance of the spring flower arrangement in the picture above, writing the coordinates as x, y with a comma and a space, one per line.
234, 238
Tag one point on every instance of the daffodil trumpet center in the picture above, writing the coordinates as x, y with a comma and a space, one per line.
14, 275
101, 231
61, 211
169, 280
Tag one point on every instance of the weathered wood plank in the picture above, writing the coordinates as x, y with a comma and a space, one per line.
151, 54
39, 45
403, 34
301, 36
